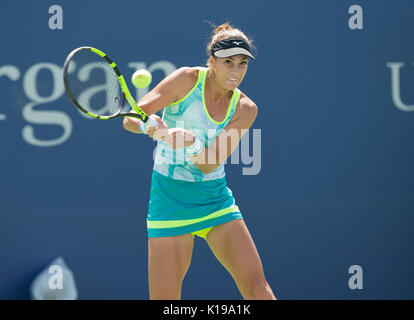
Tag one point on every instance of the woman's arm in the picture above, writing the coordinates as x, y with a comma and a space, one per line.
172, 88
221, 148
209, 159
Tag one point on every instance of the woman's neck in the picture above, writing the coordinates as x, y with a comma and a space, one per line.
216, 91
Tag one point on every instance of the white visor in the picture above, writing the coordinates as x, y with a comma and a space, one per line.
224, 53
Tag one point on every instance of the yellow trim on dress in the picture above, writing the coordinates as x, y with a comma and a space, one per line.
236, 94
200, 76
181, 223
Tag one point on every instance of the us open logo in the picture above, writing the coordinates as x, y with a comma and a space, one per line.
39, 109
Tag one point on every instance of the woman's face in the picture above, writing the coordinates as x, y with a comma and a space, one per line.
230, 71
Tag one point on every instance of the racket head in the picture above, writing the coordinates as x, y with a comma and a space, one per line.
95, 86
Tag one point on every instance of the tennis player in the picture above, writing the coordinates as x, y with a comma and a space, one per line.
205, 118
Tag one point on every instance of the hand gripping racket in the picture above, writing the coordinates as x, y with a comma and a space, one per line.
96, 87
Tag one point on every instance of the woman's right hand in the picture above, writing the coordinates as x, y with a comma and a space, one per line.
158, 132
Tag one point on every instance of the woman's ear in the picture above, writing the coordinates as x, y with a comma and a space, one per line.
211, 61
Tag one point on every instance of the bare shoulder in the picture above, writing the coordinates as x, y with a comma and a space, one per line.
185, 75
246, 111
247, 105
171, 89
183, 80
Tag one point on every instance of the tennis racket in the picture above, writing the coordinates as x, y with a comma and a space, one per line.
96, 87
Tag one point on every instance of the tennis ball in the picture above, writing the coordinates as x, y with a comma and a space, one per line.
141, 78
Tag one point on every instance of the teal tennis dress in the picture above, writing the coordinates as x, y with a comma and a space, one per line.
182, 198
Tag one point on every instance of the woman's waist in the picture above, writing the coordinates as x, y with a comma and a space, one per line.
188, 172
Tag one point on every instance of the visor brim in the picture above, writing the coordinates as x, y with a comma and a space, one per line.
225, 53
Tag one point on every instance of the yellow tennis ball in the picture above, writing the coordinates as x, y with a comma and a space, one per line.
141, 78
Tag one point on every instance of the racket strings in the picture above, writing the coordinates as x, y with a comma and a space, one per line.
94, 84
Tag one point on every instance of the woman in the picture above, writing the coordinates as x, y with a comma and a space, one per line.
202, 125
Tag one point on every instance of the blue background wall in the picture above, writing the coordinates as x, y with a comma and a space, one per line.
335, 187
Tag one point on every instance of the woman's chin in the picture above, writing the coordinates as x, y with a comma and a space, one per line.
231, 85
